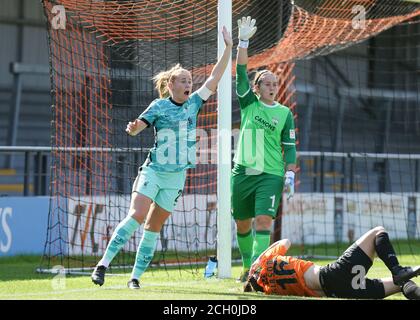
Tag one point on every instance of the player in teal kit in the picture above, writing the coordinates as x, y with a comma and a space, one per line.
260, 170
161, 178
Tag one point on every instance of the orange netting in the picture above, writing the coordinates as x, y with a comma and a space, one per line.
148, 20
326, 27
328, 30
103, 60
81, 109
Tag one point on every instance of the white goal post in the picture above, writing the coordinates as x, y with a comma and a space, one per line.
224, 145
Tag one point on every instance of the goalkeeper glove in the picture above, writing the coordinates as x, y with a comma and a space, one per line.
289, 183
247, 29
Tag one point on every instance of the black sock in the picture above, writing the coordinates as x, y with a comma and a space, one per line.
386, 252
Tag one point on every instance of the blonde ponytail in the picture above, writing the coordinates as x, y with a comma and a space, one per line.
162, 79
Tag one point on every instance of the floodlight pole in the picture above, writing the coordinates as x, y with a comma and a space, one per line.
224, 153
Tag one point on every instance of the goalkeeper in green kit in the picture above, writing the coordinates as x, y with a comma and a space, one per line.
260, 171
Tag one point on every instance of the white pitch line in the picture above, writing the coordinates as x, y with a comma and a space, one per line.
57, 292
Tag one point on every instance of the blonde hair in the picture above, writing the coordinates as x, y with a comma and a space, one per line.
258, 76
162, 79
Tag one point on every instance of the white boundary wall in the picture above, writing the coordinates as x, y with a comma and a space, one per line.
312, 218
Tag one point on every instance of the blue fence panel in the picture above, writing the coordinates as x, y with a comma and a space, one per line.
23, 225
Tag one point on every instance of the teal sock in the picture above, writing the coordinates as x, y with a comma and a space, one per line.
145, 253
245, 248
261, 242
121, 235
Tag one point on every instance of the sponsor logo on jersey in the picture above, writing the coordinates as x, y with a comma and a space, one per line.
265, 123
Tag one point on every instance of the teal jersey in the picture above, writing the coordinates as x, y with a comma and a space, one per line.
175, 133
265, 131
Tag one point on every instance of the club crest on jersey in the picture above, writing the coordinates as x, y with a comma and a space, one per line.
275, 121
292, 134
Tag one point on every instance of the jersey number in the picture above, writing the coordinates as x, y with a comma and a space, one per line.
280, 271
177, 197
273, 200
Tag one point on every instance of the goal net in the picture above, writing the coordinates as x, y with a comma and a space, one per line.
347, 69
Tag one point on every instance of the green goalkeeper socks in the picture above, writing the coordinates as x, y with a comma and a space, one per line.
121, 235
261, 242
245, 248
145, 253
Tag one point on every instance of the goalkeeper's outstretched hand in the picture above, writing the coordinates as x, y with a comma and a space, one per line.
289, 184
247, 28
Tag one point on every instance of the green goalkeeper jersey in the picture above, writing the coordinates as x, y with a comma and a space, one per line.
264, 131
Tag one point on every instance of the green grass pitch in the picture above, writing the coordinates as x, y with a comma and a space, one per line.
20, 281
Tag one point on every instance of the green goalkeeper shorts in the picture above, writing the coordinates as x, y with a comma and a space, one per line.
164, 188
255, 194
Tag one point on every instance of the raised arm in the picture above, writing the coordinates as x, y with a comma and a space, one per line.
247, 29
220, 67
242, 56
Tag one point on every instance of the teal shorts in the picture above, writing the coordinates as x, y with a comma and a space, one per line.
254, 195
164, 188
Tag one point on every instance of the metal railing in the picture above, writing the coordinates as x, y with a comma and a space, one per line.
337, 166
35, 167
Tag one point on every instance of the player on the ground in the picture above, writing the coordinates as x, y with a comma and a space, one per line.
275, 273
